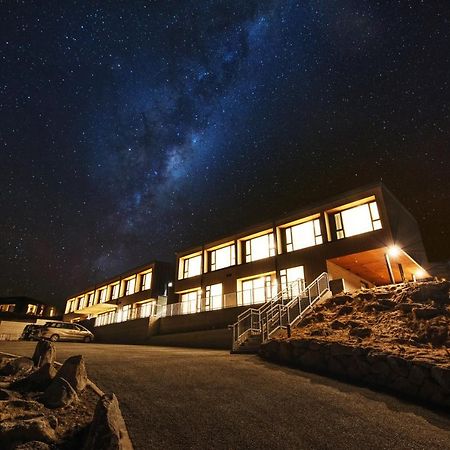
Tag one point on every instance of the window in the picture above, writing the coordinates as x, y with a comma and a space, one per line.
90, 299
222, 257
190, 302
32, 309
292, 281
259, 247
190, 267
213, 298
303, 235
146, 281
115, 291
146, 309
81, 302
102, 295
357, 220
7, 308
256, 290
123, 313
130, 285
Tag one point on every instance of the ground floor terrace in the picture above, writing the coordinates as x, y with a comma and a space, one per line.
190, 398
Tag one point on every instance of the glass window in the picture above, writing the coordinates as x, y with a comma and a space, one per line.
213, 298
102, 295
146, 281
222, 257
130, 285
81, 302
190, 302
115, 291
292, 281
190, 267
357, 220
303, 235
256, 290
260, 247
90, 299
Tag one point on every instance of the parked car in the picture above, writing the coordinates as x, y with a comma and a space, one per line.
31, 332
65, 331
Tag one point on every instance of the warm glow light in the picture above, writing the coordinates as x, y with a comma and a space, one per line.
394, 251
420, 274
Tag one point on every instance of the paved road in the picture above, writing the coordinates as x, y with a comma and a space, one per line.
182, 398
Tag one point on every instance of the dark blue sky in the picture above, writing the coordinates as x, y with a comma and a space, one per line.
129, 130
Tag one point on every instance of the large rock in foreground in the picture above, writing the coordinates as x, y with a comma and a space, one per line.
19, 431
59, 393
37, 381
108, 430
74, 371
44, 353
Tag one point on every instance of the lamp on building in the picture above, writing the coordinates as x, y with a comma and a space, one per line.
394, 251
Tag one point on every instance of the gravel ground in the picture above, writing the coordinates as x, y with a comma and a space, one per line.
182, 398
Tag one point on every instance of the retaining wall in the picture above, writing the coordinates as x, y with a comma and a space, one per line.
417, 379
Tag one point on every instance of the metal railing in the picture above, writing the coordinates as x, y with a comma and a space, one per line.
283, 311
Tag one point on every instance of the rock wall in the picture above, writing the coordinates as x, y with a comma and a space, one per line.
414, 378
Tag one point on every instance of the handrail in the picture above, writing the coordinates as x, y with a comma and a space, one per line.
274, 314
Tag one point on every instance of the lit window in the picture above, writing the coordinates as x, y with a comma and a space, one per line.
146, 281
32, 309
256, 290
146, 309
190, 267
70, 306
260, 247
81, 304
357, 220
90, 299
115, 291
213, 298
303, 235
292, 281
123, 313
102, 295
130, 285
190, 302
222, 257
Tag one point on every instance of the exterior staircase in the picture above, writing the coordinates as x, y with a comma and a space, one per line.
257, 325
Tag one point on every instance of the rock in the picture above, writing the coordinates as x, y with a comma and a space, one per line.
6, 394
108, 430
361, 332
344, 310
337, 325
342, 299
19, 431
74, 371
417, 375
389, 304
439, 292
36, 381
442, 377
33, 445
426, 313
59, 393
366, 296
20, 365
44, 353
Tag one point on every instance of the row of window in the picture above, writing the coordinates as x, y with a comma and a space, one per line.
135, 283
347, 222
258, 289
127, 312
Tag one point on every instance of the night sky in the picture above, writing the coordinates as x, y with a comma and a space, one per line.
130, 130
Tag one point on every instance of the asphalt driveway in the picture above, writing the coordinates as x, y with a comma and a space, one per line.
182, 398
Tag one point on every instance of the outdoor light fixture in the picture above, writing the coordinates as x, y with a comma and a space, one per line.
393, 251
420, 274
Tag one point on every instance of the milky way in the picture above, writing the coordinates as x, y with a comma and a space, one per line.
131, 131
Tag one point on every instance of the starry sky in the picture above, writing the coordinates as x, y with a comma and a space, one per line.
130, 130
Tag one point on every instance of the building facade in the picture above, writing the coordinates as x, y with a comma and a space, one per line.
362, 238
134, 294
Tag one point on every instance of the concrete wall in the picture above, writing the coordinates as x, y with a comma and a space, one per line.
218, 339
129, 332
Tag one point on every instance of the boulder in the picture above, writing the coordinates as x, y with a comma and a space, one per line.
344, 310
59, 393
44, 353
337, 325
19, 431
108, 430
20, 365
38, 380
74, 371
360, 332
6, 394
439, 292
426, 313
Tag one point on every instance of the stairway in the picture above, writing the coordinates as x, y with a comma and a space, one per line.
256, 326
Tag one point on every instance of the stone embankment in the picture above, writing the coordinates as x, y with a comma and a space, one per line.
44, 405
395, 338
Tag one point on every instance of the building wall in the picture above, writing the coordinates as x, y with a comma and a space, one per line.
129, 332
352, 281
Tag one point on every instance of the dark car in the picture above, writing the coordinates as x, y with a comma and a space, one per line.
30, 332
